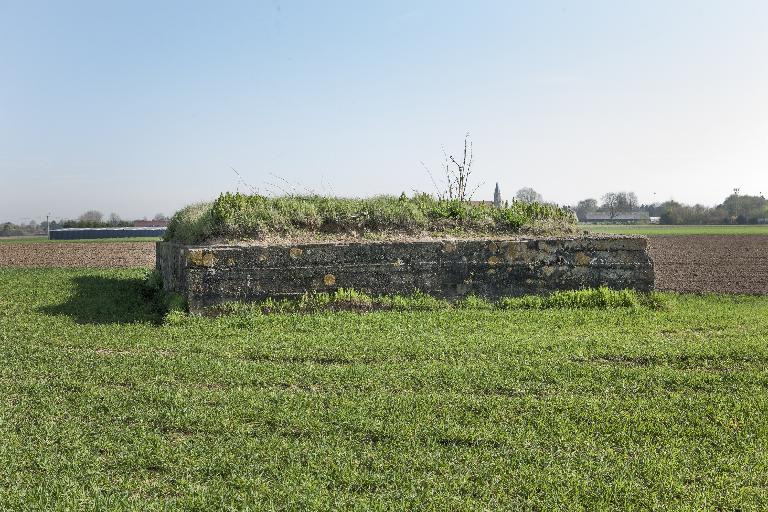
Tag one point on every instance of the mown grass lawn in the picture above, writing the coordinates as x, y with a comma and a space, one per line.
102, 407
656, 229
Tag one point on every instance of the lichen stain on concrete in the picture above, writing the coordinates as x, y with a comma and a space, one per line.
230, 262
581, 259
493, 260
493, 247
398, 263
329, 279
202, 258
449, 247
295, 252
195, 257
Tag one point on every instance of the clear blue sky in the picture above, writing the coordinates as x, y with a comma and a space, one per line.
141, 107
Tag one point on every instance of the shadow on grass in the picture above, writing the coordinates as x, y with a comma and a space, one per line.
109, 300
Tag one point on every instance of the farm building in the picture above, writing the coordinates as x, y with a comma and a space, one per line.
91, 233
618, 217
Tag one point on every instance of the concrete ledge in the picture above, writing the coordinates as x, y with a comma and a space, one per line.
209, 275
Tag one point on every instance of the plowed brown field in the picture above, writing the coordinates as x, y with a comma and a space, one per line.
711, 263
74, 254
695, 263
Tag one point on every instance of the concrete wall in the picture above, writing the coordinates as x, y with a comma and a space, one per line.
209, 275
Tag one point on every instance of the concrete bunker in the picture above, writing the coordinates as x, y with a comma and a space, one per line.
207, 275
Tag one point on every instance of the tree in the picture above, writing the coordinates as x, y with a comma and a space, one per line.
615, 202
7, 229
632, 202
611, 203
584, 207
114, 219
671, 212
160, 216
528, 195
745, 209
92, 216
456, 175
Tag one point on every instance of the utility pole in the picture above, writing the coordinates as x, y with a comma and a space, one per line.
48, 225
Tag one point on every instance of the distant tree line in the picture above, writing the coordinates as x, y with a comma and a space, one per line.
92, 219
89, 219
735, 209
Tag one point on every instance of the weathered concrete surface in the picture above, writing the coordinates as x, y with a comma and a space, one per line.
209, 275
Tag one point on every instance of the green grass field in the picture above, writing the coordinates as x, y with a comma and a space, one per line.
656, 229
44, 240
104, 406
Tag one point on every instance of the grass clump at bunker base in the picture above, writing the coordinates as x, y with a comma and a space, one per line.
240, 216
354, 300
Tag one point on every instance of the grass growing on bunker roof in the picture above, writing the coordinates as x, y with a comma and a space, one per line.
240, 216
